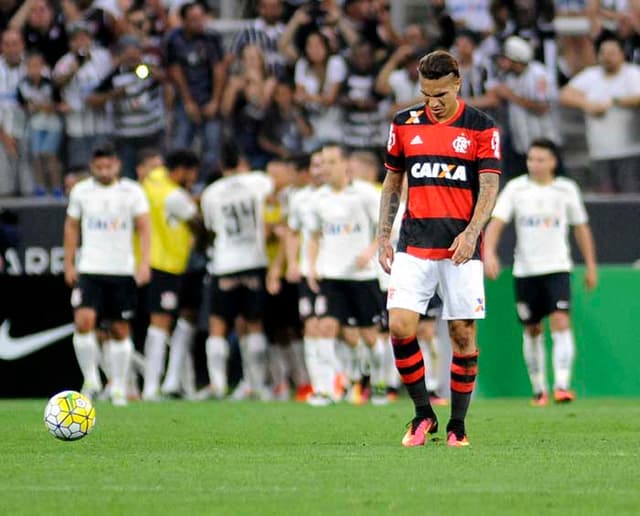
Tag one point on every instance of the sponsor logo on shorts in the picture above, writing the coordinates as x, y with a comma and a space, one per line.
562, 304
168, 300
480, 304
524, 312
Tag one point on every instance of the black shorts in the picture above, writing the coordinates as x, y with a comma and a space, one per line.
281, 319
539, 296
434, 309
353, 303
241, 293
112, 297
308, 303
191, 290
164, 292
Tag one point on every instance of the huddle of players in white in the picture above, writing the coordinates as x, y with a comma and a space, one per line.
330, 248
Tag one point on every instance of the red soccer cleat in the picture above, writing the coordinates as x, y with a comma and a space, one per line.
418, 431
563, 396
455, 441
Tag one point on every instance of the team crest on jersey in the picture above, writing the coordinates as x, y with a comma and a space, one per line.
461, 144
414, 117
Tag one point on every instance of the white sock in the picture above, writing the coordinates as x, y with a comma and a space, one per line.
155, 350
389, 369
295, 358
374, 358
312, 361
430, 357
535, 358
217, 355
277, 364
353, 364
256, 346
563, 353
179, 346
105, 359
326, 353
188, 376
342, 355
120, 363
87, 354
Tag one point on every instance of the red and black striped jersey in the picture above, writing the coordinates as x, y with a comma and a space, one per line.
443, 163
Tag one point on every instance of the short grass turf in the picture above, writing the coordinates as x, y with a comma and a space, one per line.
257, 458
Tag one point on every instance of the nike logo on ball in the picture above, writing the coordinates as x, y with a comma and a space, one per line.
12, 348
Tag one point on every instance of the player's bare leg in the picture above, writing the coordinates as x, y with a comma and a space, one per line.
464, 368
562, 356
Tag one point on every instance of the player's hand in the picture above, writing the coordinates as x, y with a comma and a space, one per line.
274, 283
591, 278
193, 111
70, 275
312, 281
491, 266
597, 108
293, 273
463, 247
143, 274
210, 109
385, 255
363, 259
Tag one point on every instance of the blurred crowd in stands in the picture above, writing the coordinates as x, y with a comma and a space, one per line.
162, 74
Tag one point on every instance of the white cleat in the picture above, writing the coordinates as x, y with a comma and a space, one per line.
319, 400
118, 399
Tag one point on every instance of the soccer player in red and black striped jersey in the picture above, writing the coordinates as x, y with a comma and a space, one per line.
450, 153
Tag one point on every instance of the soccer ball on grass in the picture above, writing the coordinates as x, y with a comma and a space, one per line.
69, 416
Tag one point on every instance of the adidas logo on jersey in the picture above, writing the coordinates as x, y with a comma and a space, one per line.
439, 170
416, 140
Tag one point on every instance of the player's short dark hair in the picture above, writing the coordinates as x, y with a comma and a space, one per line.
182, 158
185, 8
229, 155
344, 151
605, 36
545, 143
104, 150
147, 153
437, 64
301, 162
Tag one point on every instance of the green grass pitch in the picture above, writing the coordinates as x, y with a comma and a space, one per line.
258, 458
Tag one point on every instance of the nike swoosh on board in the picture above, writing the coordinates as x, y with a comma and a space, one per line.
12, 348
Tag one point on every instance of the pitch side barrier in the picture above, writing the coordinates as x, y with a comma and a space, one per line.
35, 316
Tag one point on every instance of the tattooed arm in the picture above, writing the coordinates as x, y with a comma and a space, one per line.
464, 244
389, 204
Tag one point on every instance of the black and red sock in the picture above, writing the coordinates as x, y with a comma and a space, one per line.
464, 369
410, 365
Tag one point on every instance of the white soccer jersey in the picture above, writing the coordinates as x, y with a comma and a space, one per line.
107, 215
233, 208
542, 215
299, 206
347, 222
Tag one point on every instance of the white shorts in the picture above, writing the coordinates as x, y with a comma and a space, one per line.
414, 281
